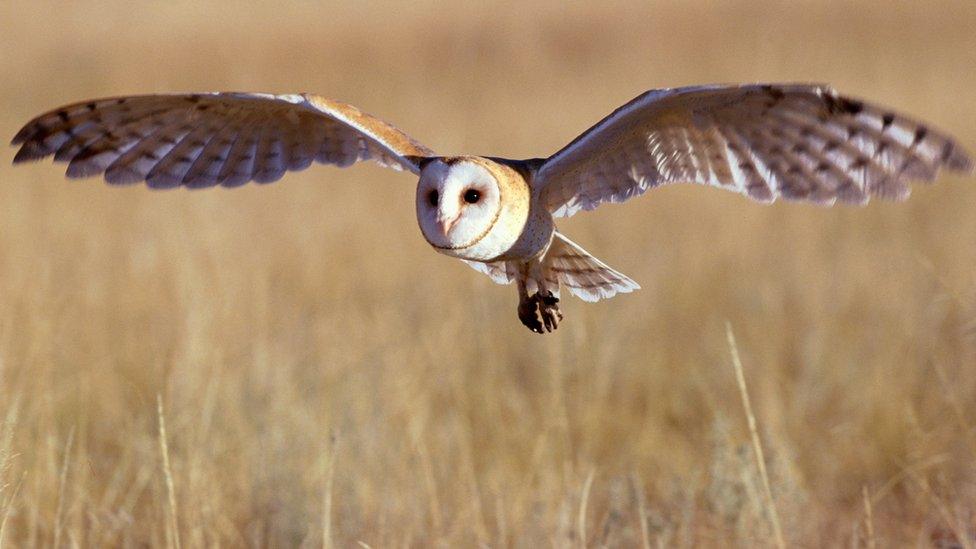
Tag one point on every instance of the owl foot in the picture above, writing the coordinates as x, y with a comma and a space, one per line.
540, 311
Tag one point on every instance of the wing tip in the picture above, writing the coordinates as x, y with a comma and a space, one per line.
120, 176
961, 162
25, 133
31, 148
28, 153
82, 171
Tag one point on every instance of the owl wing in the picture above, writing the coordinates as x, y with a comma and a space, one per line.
795, 141
206, 139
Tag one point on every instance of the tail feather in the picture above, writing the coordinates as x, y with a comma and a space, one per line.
583, 275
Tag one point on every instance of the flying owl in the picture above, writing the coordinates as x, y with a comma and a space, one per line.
791, 141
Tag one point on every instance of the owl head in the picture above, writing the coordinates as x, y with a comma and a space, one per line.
466, 207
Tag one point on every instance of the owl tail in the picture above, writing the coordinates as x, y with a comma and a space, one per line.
583, 275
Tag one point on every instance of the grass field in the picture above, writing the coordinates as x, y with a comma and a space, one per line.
324, 378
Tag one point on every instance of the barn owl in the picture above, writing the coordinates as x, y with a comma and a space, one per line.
791, 141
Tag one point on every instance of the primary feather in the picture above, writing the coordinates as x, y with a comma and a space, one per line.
202, 140
797, 142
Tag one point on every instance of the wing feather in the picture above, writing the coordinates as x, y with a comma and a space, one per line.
205, 170
298, 151
240, 159
174, 164
200, 140
791, 141
268, 166
135, 164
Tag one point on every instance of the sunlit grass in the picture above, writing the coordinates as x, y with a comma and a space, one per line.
326, 379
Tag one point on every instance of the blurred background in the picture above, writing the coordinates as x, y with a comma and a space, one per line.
326, 379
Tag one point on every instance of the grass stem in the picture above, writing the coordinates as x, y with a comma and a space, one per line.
172, 528
754, 433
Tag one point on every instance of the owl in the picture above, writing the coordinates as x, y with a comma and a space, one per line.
800, 142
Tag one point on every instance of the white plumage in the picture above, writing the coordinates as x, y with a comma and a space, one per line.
201, 140
793, 141
798, 142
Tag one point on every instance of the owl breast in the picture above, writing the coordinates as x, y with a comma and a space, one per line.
532, 239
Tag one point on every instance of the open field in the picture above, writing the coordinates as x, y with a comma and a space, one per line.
327, 379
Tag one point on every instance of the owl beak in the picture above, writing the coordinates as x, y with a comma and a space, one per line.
447, 224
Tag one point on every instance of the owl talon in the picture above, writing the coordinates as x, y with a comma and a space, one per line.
527, 314
549, 310
540, 312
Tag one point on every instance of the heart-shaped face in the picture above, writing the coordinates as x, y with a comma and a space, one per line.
468, 207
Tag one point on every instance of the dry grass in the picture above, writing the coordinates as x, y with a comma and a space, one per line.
328, 380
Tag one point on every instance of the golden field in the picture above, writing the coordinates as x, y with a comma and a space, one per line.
325, 379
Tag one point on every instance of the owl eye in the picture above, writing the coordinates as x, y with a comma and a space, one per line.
471, 196
432, 197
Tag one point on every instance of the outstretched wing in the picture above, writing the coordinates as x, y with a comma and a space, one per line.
206, 139
795, 141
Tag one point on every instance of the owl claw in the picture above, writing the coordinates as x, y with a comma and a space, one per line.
540, 312
527, 314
